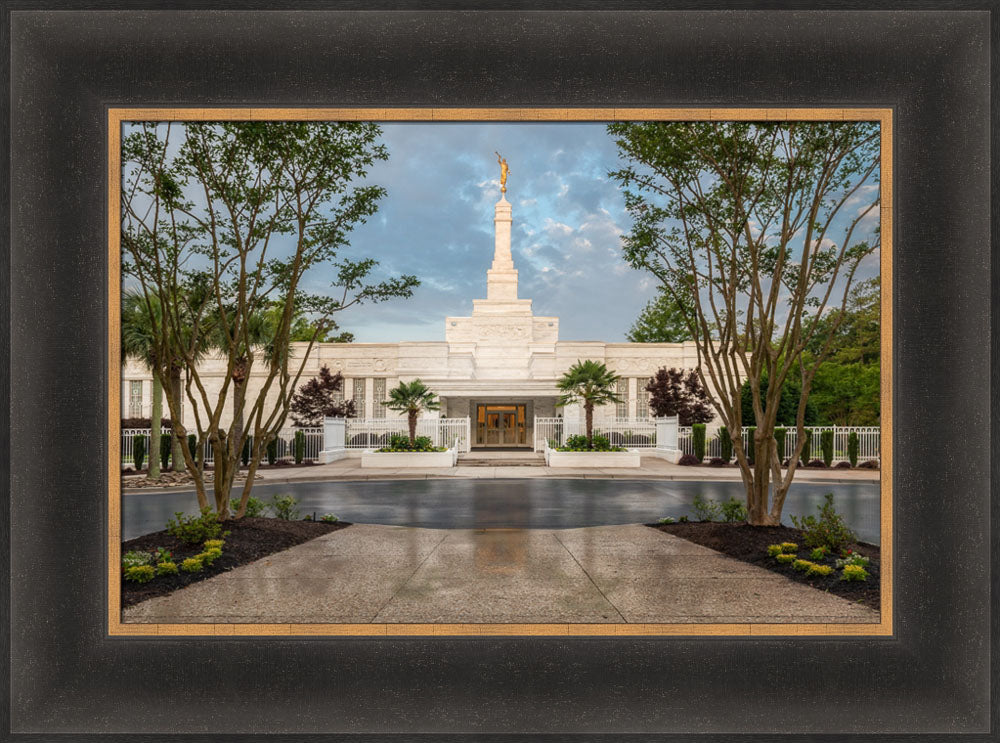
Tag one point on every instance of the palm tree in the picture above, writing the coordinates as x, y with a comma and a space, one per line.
138, 342
591, 383
411, 399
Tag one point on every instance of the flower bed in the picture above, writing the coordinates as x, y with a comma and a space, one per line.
591, 458
793, 559
406, 459
248, 539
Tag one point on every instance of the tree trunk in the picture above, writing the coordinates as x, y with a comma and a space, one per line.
588, 408
225, 467
176, 454
237, 436
758, 489
411, 419
155, 424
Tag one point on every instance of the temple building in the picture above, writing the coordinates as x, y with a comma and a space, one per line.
498, 366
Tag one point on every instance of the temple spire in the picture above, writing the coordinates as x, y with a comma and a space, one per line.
501, 279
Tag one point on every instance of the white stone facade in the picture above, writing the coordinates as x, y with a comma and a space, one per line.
499, 366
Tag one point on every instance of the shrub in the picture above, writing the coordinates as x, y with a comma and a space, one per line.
819, 553
195, 529
214, 544
329, 518
854, 573
802, 565
284, 507
780, 437
300, 446
191, 565
245, 452
163, 555
138, 451
725, 445
789, 547
853, 446
773, 550
255, 507
871, 464
135, 558
166, 568
272, 450
819, 570
733, 511
399, 442
829, 530
852, 558
784, 558
193, 446
208, 556
698, 440
717, 462
818, 464
688, 460
683, 519
826, 446
807, 436
140, 573
706, 510
751, 450
666, 520
842, 466
166, 444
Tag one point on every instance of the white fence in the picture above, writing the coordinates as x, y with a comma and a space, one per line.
632, 433
285, 441
374, 433
869, 442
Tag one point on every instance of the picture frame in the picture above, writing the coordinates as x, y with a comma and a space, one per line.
69, 674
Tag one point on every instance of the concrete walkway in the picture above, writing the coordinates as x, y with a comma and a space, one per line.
608, 574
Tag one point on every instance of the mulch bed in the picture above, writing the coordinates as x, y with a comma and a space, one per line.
749, 544
249, 539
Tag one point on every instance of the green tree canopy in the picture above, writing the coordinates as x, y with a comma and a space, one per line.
661, 321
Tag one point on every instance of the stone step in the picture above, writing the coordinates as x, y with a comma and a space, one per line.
464, 461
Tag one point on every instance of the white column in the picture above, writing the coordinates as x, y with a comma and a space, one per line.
666, 438
334, 440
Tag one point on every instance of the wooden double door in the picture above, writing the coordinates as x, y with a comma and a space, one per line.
501, 424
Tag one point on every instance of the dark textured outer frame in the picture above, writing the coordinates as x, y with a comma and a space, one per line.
66, 676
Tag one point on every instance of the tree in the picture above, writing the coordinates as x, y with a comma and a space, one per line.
737, 220
847, 387
315, 400
672, 392
412, 398
591, 383
661, 321
788, 402
221, 220
138, 343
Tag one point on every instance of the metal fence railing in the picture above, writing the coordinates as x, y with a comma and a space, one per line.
285, 444
373, 433
869, 442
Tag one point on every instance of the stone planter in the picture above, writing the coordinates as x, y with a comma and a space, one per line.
408, 459
597, 459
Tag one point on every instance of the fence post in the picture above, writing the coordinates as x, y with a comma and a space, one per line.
334, 440
666, 438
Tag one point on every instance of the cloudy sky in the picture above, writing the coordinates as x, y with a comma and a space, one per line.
437, 223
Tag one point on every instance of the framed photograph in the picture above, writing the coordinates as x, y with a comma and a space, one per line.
622, 410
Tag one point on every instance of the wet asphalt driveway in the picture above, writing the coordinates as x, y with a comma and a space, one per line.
511, 504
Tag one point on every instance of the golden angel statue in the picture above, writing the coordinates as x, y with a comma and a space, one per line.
504, 170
